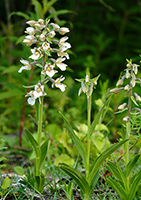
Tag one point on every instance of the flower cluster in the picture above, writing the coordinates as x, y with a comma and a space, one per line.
42, 35
130, 74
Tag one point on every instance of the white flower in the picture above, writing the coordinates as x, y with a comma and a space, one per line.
61, 65
26, 66
39, 90
61, 53
30, 30
63, 30
34, 94
31, 99
46, 46
48, 69
51, 34
58, 83
63, 44
36, 54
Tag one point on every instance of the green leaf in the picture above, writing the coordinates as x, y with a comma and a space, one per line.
117, 187
114, 170
77, 176
131, 165
123, 177
97, 118
135, 184
11, 93
77, 141
43, 152
6, 183
134, 101
33, 142
47, 5
94, 181
95, 79
97, 164
20, 14
38, 8
10, 69
19, 170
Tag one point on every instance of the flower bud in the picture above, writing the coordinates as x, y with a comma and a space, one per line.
122, 106
83, 86
63, 30
115, 90
41, 21
42, 37
27, 42
127, 73
135, 68
90, 90
120, 82
126, 119
38, 26
138, 98
133, 82
127, 88
55, 26
87, 78
51, 34
31, 22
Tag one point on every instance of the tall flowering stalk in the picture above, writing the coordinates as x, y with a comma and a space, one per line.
48, 53
124, 183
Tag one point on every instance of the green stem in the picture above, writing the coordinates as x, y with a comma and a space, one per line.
40, 120
39, 134
88, 136
127, 136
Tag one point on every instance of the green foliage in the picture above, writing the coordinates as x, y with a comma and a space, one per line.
119, 182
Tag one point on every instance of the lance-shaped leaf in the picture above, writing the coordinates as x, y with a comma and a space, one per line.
43, 152
33, 142
117, 187
77, 141
131, 164
135, 184
114, 170
97, 118
77, 176
97, 164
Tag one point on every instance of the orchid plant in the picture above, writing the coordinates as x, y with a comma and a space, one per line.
124, 182
42, 37
92, 167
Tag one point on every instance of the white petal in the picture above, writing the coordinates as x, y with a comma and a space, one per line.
31, 101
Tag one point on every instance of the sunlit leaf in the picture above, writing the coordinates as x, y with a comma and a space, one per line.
77, 176
6, 183
77, 141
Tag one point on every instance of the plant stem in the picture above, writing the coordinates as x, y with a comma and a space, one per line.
40, 121
127, 136
88, 136
39, 135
